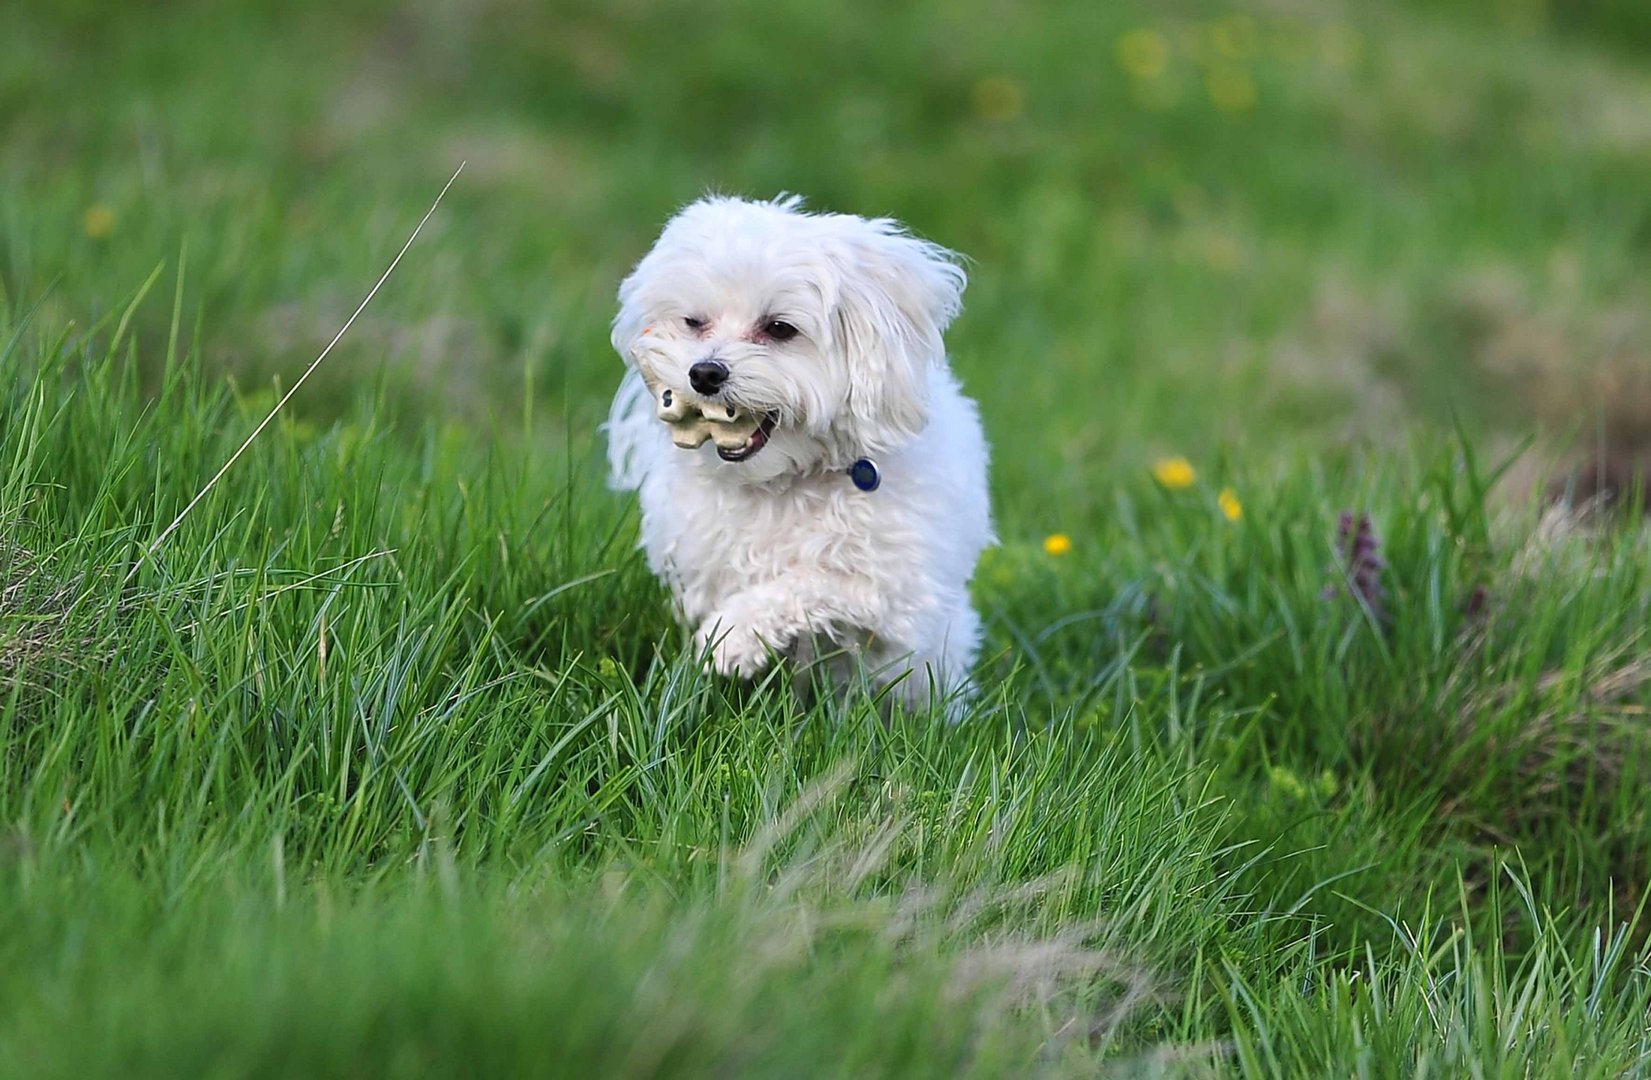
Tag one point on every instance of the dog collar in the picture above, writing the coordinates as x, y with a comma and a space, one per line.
865, 475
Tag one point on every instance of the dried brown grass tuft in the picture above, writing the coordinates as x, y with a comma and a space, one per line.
1010, 950
1577, 727
1572, 366
35, 611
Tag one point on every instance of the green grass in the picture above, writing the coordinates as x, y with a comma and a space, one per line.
390, 761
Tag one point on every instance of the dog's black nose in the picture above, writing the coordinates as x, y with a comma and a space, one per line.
707, 376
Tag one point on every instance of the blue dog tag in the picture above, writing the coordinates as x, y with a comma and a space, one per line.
865, 475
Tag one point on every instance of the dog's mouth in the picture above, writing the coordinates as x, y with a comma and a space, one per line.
758, 440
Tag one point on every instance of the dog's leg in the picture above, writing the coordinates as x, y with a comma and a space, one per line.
769, 619
847, 625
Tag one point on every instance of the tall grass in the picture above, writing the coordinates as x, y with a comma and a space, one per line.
389, 758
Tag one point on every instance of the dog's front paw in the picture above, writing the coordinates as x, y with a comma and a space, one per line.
740, 653
738, 648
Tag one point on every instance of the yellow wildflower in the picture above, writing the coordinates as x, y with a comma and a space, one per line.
1339, 46
1221, 252
1143, 54
1057, 544
1231, 88
1287, 783
1231, 508
98, 221
998, 99
1235, 37
1174, 473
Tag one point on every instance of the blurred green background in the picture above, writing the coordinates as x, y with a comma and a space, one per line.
1195, 227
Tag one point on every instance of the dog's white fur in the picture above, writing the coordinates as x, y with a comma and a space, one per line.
782, 553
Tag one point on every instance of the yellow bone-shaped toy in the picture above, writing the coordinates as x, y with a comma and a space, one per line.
691, 425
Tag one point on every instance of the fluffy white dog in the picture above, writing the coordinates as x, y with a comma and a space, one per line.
841, 523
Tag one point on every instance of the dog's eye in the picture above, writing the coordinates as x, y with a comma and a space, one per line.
693, 323
779, 329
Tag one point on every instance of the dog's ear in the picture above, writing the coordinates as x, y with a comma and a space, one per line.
897, 294
628, 321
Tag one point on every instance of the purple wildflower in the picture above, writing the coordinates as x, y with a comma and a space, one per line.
1359, 564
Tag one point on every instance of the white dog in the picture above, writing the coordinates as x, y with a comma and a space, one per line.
845, 528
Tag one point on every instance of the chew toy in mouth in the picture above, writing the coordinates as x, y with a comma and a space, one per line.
753, 442
739, 434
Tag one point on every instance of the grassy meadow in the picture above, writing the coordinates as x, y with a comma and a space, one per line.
1313, 340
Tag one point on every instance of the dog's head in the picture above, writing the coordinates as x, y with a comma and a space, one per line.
826, 325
